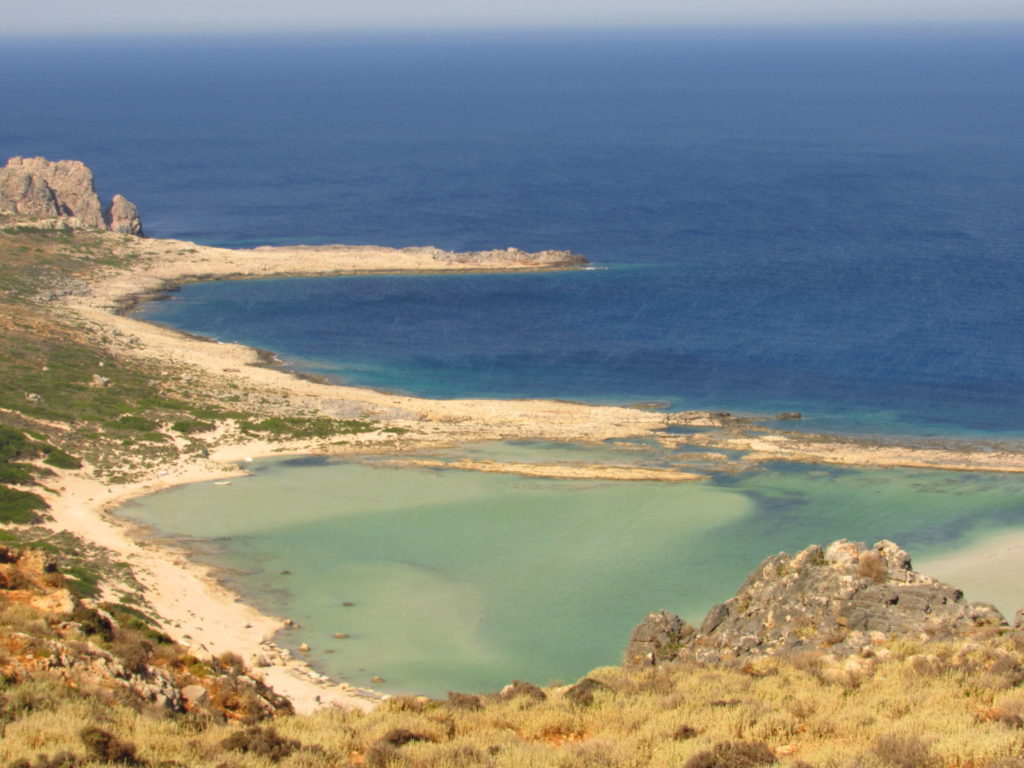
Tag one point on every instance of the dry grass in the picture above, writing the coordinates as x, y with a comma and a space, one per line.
960, 713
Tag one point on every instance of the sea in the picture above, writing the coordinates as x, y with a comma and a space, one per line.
817, 220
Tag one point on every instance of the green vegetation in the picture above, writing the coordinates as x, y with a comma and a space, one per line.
192, 426
304, 427
55, 457
20, 507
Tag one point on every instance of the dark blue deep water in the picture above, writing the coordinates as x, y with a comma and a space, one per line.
816, 221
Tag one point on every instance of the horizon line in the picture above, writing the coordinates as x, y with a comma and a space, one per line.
1003, 28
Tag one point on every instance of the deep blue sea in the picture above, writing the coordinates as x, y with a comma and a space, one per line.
821, 221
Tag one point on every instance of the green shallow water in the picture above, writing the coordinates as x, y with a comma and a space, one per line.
464, 580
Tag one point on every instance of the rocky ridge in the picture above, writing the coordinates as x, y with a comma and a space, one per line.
63, 194
843, 600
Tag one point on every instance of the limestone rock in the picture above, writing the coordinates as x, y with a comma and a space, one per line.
195, 696
841, 600
62, 191
122, 216
656, 638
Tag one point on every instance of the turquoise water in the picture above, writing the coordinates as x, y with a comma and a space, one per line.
464, 580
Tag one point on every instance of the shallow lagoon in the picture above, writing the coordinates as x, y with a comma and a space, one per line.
464, 580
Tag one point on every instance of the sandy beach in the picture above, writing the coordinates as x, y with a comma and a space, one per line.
194, 608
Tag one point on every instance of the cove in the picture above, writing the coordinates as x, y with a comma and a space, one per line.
463, 580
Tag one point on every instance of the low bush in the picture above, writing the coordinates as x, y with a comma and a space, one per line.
16, 474
192, 426
20, 507
733, 754
59, 760
872, 566
105, 747
55, 457
903, 751
264, 742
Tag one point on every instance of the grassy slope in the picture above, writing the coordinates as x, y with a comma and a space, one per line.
921, 706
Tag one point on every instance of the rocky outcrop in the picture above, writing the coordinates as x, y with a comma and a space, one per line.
62, 192
122, 216
112, 649
840, 599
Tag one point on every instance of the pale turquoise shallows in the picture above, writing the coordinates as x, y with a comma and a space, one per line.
464, 581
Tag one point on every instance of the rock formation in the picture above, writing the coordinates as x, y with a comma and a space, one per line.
35, 188
840, 600
122, 216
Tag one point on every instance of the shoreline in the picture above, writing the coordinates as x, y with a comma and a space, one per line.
186, 596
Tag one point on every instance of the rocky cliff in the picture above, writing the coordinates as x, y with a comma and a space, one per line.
841, 600
63, 192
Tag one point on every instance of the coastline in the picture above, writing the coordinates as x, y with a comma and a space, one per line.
189, 601
192, 605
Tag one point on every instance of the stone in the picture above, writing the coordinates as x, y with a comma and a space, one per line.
655, 638
304, 647
62, 191
840, 600
195, 696
122, 216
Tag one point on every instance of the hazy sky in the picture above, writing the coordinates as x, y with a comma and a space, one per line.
18, 17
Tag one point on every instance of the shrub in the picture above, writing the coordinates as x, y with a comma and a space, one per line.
399, 737
55, 457
133, 651
134, 620
93, 622
733, 754
14, 444
59, 760
84, 582
261, 741
582, 694
870, 565
903, 751
519, 688
684, 732
466, 701
232, 662
136, 423
20, 507
16, 474
192, 426
104, 747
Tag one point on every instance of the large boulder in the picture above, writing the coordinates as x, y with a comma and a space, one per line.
122, 216
36, 188
840, 599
